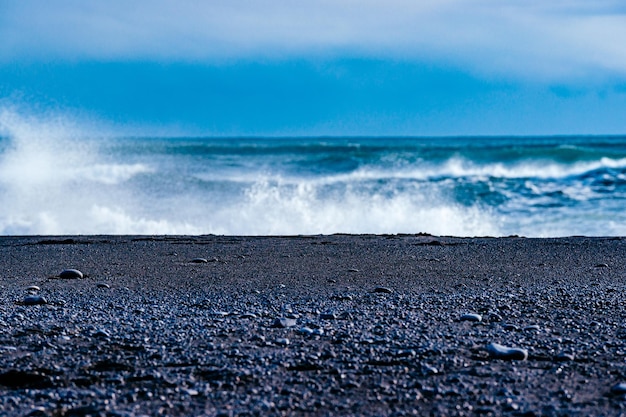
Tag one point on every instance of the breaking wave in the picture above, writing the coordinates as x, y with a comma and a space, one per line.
58, 178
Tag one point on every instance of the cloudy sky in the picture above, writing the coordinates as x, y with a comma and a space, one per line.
336, 67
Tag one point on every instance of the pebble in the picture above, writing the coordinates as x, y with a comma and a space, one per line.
33, 288
101, 334
284, 322
37, 412
564, 357
328, 316
33, 300
472, 317
498, 351
282, 341
248, 316
510, 327
533, 327
619, 389
103, 285
306, 330
12, 348
383, 290
309, 331
429, 369
199, 261
71, 274
190, 391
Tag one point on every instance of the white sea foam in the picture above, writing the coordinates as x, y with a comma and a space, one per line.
54, 179
458, 167
284, 209
454, 168
54, 182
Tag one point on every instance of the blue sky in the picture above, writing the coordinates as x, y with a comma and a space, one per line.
285, 67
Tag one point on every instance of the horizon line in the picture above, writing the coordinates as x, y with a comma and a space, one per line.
278, 137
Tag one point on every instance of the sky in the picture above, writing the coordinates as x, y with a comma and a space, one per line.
319, 68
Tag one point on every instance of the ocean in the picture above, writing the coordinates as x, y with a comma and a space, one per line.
53, 183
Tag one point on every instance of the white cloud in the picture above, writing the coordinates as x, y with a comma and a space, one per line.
532, 37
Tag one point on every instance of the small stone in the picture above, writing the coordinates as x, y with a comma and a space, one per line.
533, 328
306, 330
383, 290
564, 357
602, 265
429, 369
37, 412
248, 316
33, 300
199, 261
511, 406
284, 322
472, 317
498, 351
11, 348
71, 274
619, 389
101, 334
353, 270
510, 327
33, 288
282, 341
328, 316
103, 285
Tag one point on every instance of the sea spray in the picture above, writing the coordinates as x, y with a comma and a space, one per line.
58, 178
54, 180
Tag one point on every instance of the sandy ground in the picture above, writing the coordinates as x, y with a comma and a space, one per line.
312, 325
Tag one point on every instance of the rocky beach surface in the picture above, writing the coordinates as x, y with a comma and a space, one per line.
312, 325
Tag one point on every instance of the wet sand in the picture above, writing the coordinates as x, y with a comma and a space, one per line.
312, 325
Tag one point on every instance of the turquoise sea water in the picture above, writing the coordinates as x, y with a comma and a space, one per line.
467, 186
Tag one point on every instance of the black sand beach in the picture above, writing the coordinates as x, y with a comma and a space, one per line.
312, 325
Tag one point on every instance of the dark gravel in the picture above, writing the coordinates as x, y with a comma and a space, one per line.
313, 325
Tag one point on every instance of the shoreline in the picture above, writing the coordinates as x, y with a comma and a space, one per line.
312, 325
